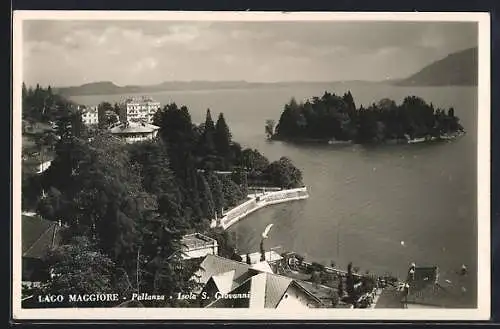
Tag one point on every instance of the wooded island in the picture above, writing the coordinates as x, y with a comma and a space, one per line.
332, 118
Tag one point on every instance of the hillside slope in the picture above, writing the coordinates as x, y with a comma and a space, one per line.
457, 69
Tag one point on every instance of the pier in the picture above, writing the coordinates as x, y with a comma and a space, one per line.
257, 201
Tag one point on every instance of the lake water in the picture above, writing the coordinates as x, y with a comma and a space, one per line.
363, 200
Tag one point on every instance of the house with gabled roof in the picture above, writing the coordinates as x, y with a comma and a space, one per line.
39, 237
231, 284
213, 265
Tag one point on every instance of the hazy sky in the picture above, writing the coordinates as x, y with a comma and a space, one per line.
64, 53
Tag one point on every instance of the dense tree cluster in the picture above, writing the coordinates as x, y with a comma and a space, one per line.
336, 117
126, 206
107, 114
42, 105
210, 147
283, 173
46, 118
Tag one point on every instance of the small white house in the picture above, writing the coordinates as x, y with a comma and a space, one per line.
90, 116
43, 166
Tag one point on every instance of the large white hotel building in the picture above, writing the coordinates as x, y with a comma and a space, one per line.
138, 109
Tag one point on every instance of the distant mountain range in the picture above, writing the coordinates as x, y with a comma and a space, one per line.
459, 68
110, 88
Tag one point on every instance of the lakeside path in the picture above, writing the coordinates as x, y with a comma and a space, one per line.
256, 201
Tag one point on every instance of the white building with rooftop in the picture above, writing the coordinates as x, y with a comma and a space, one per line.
132, 132
90, 115
138, 109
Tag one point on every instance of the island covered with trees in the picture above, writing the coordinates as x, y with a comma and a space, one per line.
124, 207
336, 119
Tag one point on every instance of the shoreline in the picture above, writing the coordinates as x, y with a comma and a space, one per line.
381, 282
258, 201
333, 142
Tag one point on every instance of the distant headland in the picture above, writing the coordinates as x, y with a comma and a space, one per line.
457, 69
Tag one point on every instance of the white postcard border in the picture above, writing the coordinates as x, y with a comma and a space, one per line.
482, 312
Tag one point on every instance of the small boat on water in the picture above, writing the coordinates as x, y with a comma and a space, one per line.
338, 142
417, 140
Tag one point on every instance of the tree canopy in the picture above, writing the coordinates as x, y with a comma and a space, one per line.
336, 117
284, 173
126, 206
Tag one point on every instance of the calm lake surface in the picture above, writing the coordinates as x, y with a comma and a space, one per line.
363, 200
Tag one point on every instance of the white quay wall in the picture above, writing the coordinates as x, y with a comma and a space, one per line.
258, 201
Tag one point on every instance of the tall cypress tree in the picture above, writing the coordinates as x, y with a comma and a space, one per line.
176, 131
209, 123
349, 100
207, 139
222, 136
